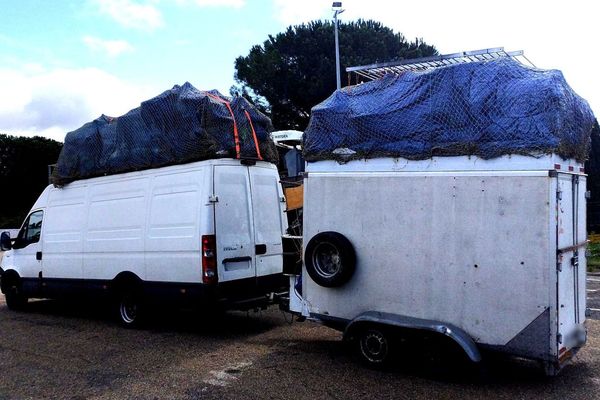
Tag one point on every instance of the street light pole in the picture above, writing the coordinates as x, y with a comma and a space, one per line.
337, 8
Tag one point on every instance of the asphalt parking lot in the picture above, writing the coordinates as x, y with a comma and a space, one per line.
593, 296
58, 350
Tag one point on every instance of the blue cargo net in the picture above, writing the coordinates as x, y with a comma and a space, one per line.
485, 109
180, 125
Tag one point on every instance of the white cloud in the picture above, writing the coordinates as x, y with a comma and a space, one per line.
146, 15
111, 48
220, 3
554, 34
295, 12
208, 3
131, 14
53, 102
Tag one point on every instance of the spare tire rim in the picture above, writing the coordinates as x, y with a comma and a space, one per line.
374, 346
128, 309
326, 259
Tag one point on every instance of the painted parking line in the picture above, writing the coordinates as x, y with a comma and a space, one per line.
593, 280
594, 309
593, 290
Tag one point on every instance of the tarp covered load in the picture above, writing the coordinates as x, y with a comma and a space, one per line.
180, 125
485, 109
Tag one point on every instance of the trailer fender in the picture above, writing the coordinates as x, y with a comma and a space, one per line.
461, 337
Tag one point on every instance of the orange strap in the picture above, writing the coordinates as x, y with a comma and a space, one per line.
236, 137
253, 135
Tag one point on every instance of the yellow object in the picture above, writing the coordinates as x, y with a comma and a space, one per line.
294, 197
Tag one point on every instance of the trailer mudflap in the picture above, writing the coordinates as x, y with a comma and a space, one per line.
462, 338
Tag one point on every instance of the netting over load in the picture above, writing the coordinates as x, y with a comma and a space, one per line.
180, 125
486, 109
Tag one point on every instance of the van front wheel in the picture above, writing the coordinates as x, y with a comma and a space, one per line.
13, 293
15, 300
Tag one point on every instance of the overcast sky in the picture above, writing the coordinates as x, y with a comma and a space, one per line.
63, 63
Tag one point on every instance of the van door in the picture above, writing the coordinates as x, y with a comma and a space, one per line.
268, 220
570, 264
234, 228
27, 252
64, 224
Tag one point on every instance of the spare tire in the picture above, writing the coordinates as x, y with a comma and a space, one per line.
330, 259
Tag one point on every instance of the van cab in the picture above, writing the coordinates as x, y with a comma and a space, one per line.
207, 232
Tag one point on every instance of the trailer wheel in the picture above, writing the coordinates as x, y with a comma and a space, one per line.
374, 346
330, 259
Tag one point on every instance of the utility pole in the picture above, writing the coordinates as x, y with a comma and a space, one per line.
337, 9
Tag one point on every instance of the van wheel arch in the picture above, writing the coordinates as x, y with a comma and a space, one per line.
125, 280
9, 278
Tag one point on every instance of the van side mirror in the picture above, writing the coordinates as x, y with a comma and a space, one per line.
5, 242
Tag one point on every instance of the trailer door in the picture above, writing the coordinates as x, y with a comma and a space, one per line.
570, 265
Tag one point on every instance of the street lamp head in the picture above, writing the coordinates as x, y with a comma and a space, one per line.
336, 6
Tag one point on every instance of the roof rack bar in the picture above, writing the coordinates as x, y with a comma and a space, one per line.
434, 58
375, 71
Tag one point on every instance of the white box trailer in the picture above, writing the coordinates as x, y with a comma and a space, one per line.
207, 231
490, 253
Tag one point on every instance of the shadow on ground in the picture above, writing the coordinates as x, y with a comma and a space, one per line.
214, 324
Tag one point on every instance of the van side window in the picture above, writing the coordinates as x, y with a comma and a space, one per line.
31, 230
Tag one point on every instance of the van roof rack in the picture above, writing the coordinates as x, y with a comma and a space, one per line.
375, 71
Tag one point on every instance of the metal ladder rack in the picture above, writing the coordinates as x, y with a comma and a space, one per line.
378, 70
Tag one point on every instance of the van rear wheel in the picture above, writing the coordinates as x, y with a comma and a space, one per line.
130, 309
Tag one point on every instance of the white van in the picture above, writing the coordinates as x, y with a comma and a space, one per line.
203, 231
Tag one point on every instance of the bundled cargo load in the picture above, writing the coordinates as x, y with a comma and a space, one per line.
485, 109
180, 125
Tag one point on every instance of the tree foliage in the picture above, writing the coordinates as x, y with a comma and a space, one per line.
295, 70
23, 174
592, 168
